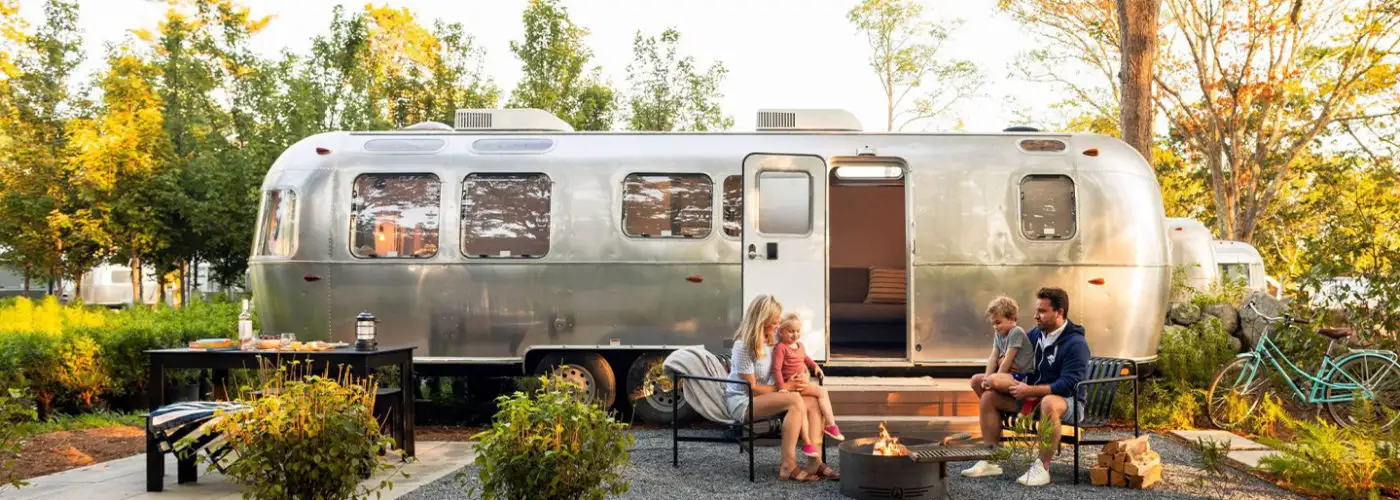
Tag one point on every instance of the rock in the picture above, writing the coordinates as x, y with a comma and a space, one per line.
1184, 314
1229, 316
1236, 344
1251, 323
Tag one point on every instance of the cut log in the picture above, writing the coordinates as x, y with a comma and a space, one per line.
1098, 476
1117, 478
1148, 478
1140, 465
1105, 460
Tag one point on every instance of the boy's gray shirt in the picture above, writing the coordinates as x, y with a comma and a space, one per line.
1025, 356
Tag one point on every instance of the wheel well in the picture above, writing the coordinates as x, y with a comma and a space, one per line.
620, 359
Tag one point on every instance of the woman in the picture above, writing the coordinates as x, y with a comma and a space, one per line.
752, 361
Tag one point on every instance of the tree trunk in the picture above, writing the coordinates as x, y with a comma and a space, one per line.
27, 273
184, 283
136, 282
160, 287
77, 288
1138, 38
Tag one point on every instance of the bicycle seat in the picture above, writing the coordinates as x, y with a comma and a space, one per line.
1335, 333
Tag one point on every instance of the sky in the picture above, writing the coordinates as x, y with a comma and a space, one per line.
779, 53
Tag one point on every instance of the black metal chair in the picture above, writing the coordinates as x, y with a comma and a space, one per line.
744, 434
1096, 391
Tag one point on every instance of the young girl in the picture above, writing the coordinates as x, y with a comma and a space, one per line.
790, 364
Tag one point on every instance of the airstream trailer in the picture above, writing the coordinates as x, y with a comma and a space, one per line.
508, 240
1240, 261
1193, 251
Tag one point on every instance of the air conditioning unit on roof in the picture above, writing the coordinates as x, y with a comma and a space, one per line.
517, 119
815, 120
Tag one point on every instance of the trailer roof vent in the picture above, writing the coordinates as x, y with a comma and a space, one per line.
518, 120
824, 120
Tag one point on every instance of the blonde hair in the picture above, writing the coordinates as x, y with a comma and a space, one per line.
1002, 307
751, 330
790, 320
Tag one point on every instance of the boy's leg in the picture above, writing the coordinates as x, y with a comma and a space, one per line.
977, 384
1002, 382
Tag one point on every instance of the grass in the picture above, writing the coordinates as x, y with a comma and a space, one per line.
95, 420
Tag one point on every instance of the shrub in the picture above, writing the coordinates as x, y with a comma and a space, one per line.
307, 438
1016, 455
1357, 462
80, 370
15, 408
549, 444
1162, 406
1190, 357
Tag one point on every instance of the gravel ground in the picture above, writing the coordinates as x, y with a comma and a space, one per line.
712, 470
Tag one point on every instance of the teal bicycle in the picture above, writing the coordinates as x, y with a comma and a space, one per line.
1358, 374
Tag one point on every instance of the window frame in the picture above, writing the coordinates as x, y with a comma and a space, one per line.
723, 198
461, 230
811, 204
260, 238
622, 206
1021, 211
350, 240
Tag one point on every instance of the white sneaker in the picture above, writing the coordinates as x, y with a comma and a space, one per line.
982, 469
1036, 476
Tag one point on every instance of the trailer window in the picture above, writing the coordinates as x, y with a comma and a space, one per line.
734, 206
277, 236
667, 205
785, 202
1231, 273
395, 215
505, 215
1047, 207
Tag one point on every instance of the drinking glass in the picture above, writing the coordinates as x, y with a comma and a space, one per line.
288, 338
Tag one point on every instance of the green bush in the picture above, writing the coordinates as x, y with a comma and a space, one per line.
310, 437
15, 408
1190, 357
1357, 462
549, 444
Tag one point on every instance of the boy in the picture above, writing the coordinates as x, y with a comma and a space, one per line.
1012, 357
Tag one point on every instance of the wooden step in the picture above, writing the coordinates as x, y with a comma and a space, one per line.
931, 428
901, 396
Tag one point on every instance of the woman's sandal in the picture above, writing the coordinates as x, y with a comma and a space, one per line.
799, 475
825, 471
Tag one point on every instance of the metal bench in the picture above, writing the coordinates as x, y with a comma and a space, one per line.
1096, 391
742, 434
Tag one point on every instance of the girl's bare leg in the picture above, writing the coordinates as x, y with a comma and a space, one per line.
823, 402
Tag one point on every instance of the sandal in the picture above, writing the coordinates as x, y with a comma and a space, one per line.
799, 475
825, 471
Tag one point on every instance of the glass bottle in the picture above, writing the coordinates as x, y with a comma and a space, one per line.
246, 341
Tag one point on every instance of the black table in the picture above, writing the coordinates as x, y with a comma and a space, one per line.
358, 363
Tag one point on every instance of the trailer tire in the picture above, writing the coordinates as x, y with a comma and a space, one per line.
587, 369
655, 408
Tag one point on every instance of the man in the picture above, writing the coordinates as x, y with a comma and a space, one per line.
1061, 361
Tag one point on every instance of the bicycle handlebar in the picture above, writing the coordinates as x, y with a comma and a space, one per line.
1286, 318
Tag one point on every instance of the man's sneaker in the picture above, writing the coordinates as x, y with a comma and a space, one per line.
1036, 476
983, 469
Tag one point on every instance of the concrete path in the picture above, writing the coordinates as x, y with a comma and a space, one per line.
1243, 451
125, 479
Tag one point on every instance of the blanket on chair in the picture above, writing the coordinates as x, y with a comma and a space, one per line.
707, 398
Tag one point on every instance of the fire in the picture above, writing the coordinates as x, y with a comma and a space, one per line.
889, 446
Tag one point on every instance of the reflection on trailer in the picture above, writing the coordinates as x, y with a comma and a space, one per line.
110, 285
511, 241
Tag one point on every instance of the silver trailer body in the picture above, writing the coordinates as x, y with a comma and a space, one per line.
593, 287
1193, 250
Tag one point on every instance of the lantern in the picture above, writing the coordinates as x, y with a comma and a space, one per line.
364, 332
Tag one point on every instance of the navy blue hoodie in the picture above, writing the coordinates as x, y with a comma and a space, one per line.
1064, 363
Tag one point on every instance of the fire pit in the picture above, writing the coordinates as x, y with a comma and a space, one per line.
885, 467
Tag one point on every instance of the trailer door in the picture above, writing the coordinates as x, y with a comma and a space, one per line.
785, 239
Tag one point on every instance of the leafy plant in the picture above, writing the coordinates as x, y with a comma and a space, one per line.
1023, 448
80, 369
550, 444
309, 437
1357, 462
1212, 459
1190, 357
15, 408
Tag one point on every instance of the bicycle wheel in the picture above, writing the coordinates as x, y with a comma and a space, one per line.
1235, 392
1379, 376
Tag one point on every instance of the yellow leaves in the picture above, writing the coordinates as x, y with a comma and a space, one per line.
144, 35
45, 316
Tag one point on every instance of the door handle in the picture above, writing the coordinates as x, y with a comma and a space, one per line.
753, 251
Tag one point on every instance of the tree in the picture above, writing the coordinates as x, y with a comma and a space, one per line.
554, 62
667, 93
905, 56
1077, 55
1252, 85
1137, 21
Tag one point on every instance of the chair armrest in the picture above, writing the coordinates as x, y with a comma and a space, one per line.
747, 386
1083, 383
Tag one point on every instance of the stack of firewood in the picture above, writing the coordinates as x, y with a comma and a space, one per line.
1127, 462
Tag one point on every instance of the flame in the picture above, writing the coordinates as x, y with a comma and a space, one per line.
889, 446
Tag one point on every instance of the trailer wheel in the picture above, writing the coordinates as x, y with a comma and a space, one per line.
588, 370
652, 392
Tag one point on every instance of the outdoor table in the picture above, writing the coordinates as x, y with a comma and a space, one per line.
357, 363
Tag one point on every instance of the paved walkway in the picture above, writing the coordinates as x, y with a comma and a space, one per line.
125, 479
1243, 452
